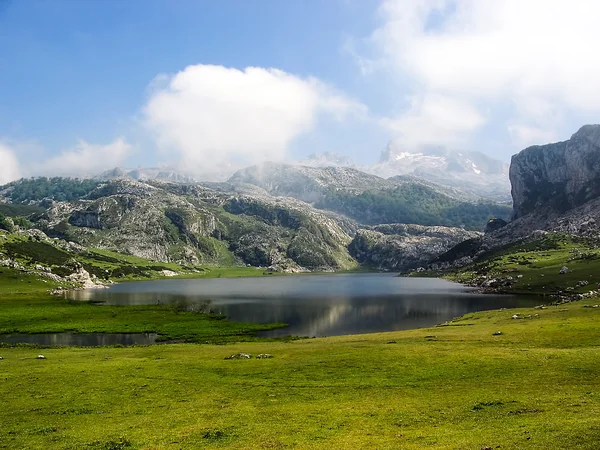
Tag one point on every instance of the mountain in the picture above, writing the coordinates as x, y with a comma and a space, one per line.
327, 159
222, 224
472, 172
555, 188
145, 174
193, 224
309, 184
403, 247
367, 198
558, 176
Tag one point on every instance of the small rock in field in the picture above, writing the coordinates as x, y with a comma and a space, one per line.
486, 448
497, 333
595, 306
264, 356
41, 357
537, 316
516, 316
1, 357
240, 356
563, 270
529, 316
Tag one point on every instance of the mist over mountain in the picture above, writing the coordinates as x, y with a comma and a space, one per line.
463, 175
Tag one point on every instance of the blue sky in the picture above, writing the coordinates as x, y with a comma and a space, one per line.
88, 83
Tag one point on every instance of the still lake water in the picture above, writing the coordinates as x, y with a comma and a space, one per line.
317, 305
79, 339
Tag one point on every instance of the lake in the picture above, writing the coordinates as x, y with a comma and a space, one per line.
79, 339
317, 305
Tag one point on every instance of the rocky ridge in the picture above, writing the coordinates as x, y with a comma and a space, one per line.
402, 247
555, 188
194, 224
235, 223
557, 177
473, 173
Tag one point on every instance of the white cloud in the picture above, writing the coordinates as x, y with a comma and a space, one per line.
535, 59
435, 120
524, 136
210, 115
9, 165
85, 159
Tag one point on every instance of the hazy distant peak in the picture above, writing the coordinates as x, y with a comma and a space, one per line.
325, 159
150, 173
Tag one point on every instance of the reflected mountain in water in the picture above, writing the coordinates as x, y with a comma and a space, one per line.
317, 305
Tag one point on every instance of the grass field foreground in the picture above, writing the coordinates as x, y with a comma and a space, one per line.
458, 386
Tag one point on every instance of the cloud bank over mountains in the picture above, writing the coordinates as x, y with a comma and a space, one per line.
84, 159
210, 120
525, 65
9, 167
470, 75
214, 114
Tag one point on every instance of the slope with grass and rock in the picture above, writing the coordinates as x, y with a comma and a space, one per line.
551, 244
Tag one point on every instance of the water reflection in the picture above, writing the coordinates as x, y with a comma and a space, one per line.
79, 339
317, 305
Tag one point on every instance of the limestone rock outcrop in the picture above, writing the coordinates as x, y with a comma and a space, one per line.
559, 176
404, 247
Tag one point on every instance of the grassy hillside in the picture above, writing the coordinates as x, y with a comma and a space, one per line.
411, 203
534, 267
62, 259
457, 386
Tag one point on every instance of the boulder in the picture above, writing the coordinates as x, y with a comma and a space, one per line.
495, 225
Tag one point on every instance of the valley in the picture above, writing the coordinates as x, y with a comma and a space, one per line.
198, 267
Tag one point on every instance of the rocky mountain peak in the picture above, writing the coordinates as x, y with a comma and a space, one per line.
327, 159
559, 176
472, 172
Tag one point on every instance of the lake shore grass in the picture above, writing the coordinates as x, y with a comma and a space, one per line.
456, 386
179, 321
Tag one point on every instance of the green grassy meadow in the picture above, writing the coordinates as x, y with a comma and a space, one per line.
450, 387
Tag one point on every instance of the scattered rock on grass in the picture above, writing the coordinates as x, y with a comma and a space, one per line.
563, 270
240, 356
264, 356
41, 357
497, 333
516, 316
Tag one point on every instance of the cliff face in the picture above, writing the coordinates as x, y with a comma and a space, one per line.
403, 247
557, 177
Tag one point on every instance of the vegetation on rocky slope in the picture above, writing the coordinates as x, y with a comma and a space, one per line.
414, 204
55, 188
30, 261
560, 266
369, 199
